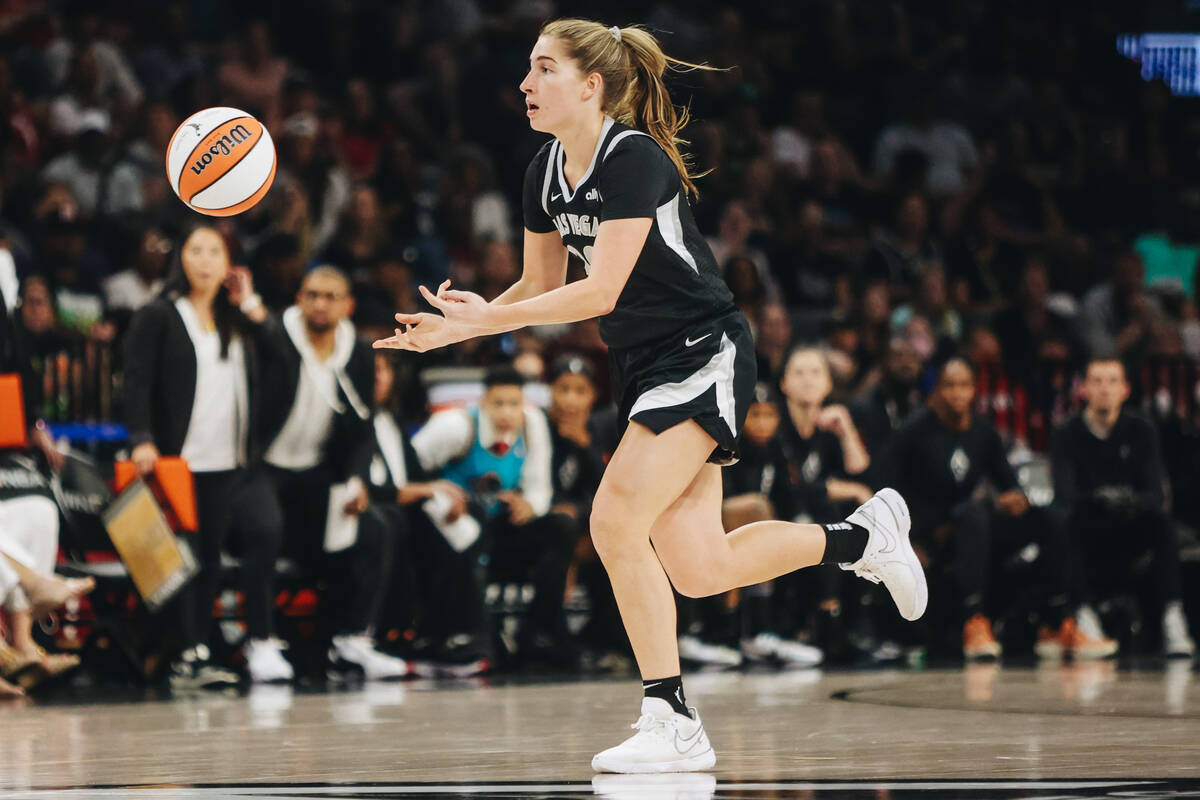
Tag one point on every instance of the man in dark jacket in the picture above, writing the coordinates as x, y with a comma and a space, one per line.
317, 405
1108, 484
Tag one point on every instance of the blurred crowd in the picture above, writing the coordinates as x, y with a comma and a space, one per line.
976, 221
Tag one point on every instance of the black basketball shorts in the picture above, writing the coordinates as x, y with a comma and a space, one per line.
706, 372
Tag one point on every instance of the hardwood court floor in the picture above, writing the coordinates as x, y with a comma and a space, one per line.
802, 734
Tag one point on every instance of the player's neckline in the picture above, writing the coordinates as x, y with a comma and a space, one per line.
568, 194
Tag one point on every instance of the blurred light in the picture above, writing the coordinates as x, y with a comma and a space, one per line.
1172, 57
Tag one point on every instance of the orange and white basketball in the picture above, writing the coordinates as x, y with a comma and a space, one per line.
221, 161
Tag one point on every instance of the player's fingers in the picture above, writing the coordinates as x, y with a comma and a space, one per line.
398, 342
454, 295
433, 299
445, 285
408, 319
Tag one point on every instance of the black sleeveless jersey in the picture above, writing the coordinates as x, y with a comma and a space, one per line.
675, 282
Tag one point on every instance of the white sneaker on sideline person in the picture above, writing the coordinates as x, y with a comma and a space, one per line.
889, 557
1176, 641
692, 648
665, 742
356, 651
768, 646
264, 659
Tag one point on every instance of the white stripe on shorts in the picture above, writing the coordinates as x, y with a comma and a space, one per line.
718, 371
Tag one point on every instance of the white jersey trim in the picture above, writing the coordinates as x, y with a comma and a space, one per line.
618, 138
671, 228
562, 178
550, 159
718, 371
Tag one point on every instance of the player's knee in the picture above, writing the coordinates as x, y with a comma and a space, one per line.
611, 534
694, 583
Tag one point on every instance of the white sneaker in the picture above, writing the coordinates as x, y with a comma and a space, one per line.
664, 742
773, 647
889, 557
264, 659
358, 651
1176, 641
693, 649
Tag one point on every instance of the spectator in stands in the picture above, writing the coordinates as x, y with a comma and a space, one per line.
84, 168
1109, 483
327, 186
882, 411
761, 487
133, 288
1118, 316
577, 467
254, 77
773, 341
1031, 331
944, 461
734, 231
933, 303
423, 581
500, 452
193, 390
953, 159
316, 423
29, 520
826, 460
38, 324
362, 237
904, 251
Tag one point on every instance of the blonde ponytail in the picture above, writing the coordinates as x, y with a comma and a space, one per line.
632, 64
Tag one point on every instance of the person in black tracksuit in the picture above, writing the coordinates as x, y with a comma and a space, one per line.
964, 499
1109, 489
193, 389
317, 404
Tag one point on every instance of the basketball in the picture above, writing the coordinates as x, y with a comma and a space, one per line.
221, 161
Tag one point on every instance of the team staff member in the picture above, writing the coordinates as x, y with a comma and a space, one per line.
318, 401
192, 388
1108, 483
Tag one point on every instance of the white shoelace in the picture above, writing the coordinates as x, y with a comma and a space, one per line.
865, 573
652, 725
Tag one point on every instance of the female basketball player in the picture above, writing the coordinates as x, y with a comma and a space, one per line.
611, 189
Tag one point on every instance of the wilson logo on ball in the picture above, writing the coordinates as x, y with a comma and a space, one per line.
223, 147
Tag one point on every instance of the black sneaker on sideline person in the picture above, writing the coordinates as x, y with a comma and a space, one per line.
194, 670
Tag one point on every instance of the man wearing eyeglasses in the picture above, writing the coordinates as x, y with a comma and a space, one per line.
317, 405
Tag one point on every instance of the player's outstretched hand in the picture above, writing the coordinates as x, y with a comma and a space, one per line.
462, 308
421, 332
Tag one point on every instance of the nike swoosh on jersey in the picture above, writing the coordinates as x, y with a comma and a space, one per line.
555, 196
689, 342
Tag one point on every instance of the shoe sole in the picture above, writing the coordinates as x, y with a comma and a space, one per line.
697, 763
899, 510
